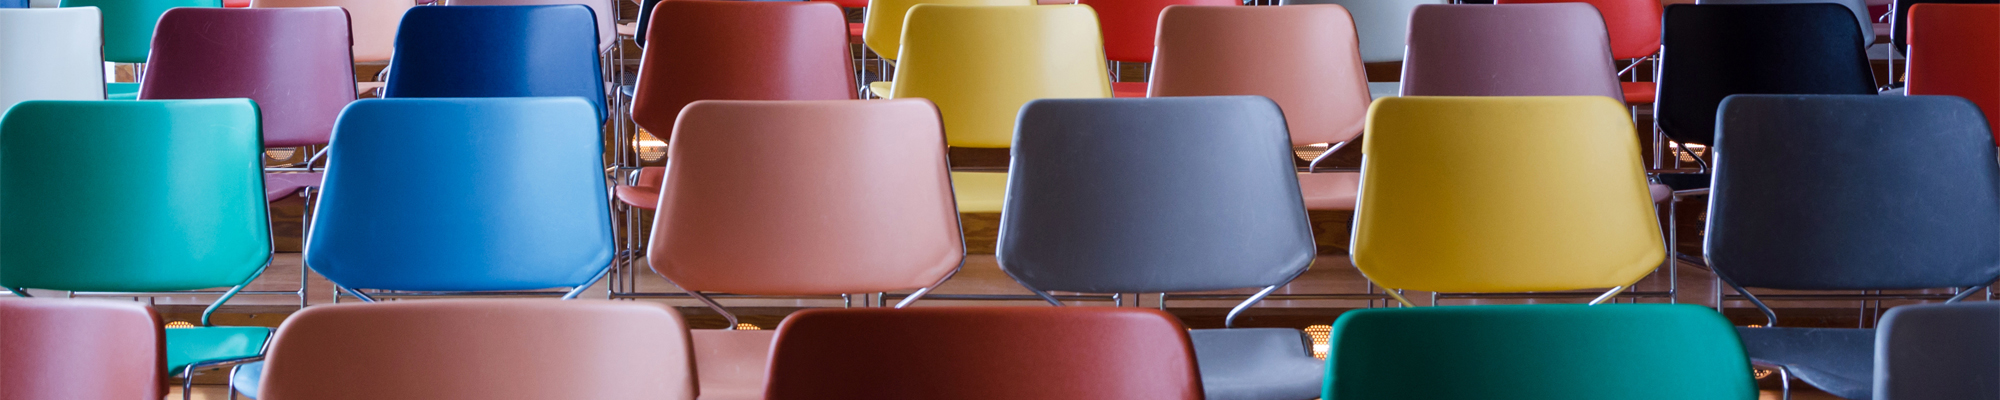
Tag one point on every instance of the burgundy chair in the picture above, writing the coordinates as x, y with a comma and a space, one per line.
54, 349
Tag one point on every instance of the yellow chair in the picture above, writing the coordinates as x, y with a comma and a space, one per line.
882, 26
979, 64
1503, 194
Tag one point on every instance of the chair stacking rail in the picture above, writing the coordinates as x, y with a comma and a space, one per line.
80, 349
1938, 351
1384, 28
50, 55
1849, 193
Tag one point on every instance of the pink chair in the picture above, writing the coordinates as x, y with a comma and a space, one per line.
374, 23
1129, 28
1634, 27
80, 349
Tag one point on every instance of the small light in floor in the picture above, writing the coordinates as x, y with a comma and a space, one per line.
746, 326
1321, 334
180, 324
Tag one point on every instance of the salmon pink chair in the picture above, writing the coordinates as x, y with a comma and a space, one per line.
1634, 27
1954, 50
986, 353
80, 349
1384, 28
1129, 27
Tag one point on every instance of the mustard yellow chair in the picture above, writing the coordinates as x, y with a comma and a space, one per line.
1508, 194
979, 64
882, 25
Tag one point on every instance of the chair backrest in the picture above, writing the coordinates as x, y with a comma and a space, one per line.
1129, 25
293, 61
372, 22
1509, 50
1899, 30
463, 195
1858, 7
882, 26
50, 54
873, 214
605, 14
80, 349
482, 349
1634, 25
1309, 63
1722, 50
128, 24
986, 353
1954, 50
1433, 215
981, 63
193, 218
1383, 25
14, 4
1938, 351
748, 51
485, 51
1854, 192
1534, 352
1173, 194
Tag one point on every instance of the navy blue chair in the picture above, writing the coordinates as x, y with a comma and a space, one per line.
1723, 50
1939, 351
498, 51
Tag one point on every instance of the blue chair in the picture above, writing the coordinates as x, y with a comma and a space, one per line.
498, 51
13, 3
1939, 351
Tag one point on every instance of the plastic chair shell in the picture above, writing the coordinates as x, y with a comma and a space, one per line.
1130, 25
1509, 50
1954, 50
980, 64
372, 23
747, 51
498, 51
79, 349
293, 61
128, 24
1383, 25
50, 54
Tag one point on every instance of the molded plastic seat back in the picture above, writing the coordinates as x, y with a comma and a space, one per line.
746, 51
604, 13
80, 349
1899, 32
873, 214
482, 349
1537, 352
987, 353
1721, 50
128, 24
1634, 25
1309, 63
980, 64
498, 51
1434, 215
1383, 25
1938, 351
1854, 192
193, 218
372, 22
1169, 194
882, 29
1954, 50
1509, 50
50, 55
463, 195
1859, 8
293, 61
1130, 25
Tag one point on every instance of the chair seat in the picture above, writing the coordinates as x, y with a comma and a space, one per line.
1329, 190
279, 185
1378, 90
730, 364
121, 91
1637, 93
880, 88
195, 345
1128, 89
1256, 364
979, 192
248, 379
628, 29
645, 194
1837, 360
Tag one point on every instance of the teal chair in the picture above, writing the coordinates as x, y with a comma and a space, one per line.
190, 217
128, 24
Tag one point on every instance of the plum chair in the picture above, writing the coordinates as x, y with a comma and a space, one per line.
1557, 49
1932, 194
485, 51
192, 219
1634, 29
1954, 49
435, 350
1939, 351
1384, 29
372, 22
605, 15
1723, 50
985, 353
50, 54
1129, 28
80, 349
1311, 67
128, 24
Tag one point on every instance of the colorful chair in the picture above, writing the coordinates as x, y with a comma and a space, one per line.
1129, 27
1537, 352
1723, 50
50, 54
80, 349
193, 219
373, 23
1509, 50
800, 53
989, 353
128, 24
1878, 193
1899, 30
605, 15
482, 349
883, 23
484, 52
1938, 351
1310, 66
981, 63
1384, 28
1858, 7
1954, 50
1634, 29
13, 3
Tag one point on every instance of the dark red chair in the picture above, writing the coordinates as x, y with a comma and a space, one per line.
1130, 27
80, 349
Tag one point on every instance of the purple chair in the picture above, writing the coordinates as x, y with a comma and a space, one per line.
1558, 49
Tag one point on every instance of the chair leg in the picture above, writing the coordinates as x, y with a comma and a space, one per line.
187, 382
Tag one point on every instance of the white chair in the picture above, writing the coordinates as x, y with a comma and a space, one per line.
1384, 28
50, 54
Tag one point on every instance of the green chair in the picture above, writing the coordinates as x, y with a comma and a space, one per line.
191, 216
128, 24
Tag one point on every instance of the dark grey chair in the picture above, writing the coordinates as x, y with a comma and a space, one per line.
1826, 192
1939, 351
1176, 194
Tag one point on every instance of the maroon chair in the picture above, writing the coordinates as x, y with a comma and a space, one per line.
1556, 49
54, 349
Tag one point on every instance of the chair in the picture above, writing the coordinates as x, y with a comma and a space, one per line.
980, 64
373, 23
1954, 50
1634, 30
605, 15
1879, 192
1509, 50
13, 3
1899, 29
1722, 50
986, 353
883, 23
80, 349
128, 24
531, 349
1129, 27
194, 218
483, 52
874, 214
1547, 351
748, 51
50, 54
1166, 194
1309, 65
1383, 27
1938, 351
1858, 7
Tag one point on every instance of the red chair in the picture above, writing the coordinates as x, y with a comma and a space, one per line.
80, 349
1955, 51
1129, 27
1634, 26
988, 353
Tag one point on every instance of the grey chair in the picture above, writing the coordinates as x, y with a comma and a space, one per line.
1939, 351
1858, 7
1849, 192
1173, 194
1383, 26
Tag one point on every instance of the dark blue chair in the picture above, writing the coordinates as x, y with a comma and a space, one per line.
13, 3
498, 51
